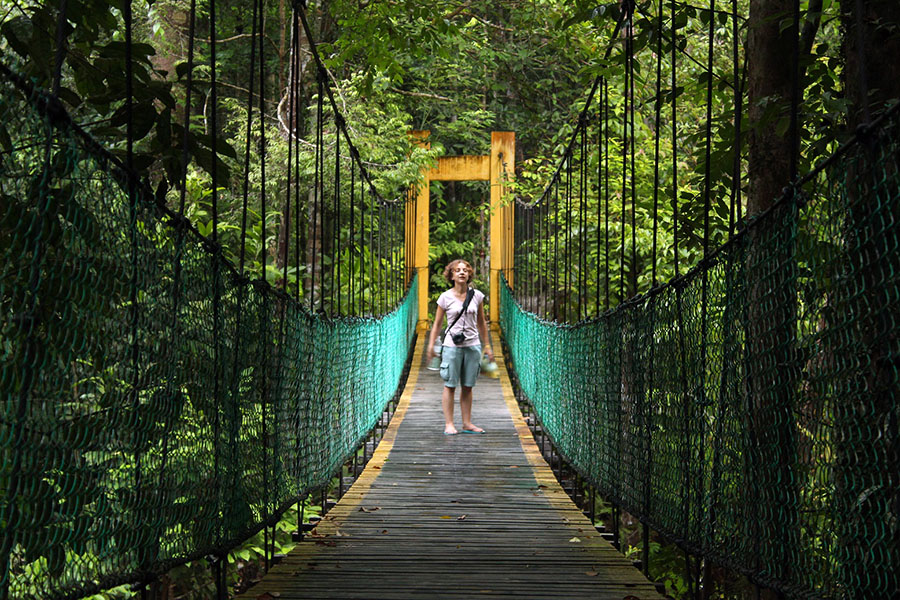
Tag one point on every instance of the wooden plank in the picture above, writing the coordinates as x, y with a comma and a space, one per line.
455, 516
461, 168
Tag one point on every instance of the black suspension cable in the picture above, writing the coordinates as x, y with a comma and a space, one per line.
528, 258
179, 235
213, 143
238, 326
392, 262
599, 191
704, 298
794, 126
316, 239
385, 254
551, 195
286, 241
249, 136
188, 98
394, 258
382, 272
300, 232
582, 201
133, 229
401, 279
656, 134
556, 251
545, 224
863, 79
336, 225
735, 206
387, 260
377, 232
264, 259
624, 175
292, 98
533, 272
674, 22
723, 80
707, 169
629, 41
352, 236
568, 247
399, 231
366, 233
373, 288
606, 181
294, 140
301, 228
362, 249
519, 258
61, 24
320, 196
282, 303
213, 123
382, 251
533, 256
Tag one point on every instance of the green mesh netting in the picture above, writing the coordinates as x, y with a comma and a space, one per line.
759, 430
154, 408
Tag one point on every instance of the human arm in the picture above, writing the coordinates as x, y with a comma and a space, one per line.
483, 332
435, 329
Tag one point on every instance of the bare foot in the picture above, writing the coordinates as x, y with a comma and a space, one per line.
470, 428
450, 430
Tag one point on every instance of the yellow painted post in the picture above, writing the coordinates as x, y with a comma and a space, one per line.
420, 250
503, 156
509, 221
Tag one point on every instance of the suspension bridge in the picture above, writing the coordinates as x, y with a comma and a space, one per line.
165, 398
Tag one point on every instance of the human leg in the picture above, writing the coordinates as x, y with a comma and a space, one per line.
468, 374
465, 407
451, 360
447, 405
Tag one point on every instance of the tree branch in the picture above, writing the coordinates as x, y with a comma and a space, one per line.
489, 24
457, 11
810, 27
234, 87
420, 95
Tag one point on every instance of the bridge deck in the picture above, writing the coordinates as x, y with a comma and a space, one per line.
455, 517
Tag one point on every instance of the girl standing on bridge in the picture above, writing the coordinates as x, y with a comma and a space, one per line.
461, 355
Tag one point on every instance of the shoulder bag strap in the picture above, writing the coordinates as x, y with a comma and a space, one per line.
469, 295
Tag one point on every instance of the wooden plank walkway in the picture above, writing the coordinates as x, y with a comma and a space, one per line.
461, 516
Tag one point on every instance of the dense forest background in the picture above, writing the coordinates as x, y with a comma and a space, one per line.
461, 70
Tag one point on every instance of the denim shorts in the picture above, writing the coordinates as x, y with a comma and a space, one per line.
460, 365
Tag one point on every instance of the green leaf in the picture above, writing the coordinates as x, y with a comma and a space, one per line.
139, 51
17, 32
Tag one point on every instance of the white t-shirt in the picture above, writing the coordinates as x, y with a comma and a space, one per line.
468, 323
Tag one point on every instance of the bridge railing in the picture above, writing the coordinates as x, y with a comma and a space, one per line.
155, 406
748, 410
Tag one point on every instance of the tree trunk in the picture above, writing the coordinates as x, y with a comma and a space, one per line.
770, 355
867, 470
879, 70
769, 80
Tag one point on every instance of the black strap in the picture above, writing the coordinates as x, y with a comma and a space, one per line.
469, 295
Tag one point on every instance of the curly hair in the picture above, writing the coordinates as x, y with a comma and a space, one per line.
448, 270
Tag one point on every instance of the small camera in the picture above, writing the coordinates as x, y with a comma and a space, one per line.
458, 338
